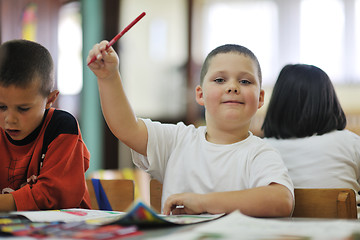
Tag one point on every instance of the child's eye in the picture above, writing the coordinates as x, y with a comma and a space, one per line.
23, 109
219, 80
244, 81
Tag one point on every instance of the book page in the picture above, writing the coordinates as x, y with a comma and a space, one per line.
68, 215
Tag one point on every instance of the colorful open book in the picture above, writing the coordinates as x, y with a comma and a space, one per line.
142, 215
139, 214
79, 223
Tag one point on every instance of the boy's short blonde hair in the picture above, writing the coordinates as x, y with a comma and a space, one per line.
226, 49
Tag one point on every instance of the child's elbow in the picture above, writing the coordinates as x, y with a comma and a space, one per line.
285, 207
282, 201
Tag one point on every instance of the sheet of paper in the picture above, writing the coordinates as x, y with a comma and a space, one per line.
239, 226
237, 223
68, 215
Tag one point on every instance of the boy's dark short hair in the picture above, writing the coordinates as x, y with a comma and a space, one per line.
23, 61
303, 103
226, 49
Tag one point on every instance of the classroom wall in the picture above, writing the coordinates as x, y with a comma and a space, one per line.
150, 88
153, 56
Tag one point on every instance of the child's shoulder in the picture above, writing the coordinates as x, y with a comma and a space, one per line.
338, 136
260, 143
61, 122
255, 139
179, 129
64, 116
180, 125
347, 137
347, 132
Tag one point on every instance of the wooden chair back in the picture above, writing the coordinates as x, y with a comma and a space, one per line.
140, 177
155, 195
120, 193
309, 202
325, 203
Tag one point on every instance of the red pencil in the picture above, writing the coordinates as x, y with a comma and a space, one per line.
117, 37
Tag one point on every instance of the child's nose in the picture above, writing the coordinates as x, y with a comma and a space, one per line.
10, 118
233, 88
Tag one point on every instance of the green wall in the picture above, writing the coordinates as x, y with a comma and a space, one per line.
91, 116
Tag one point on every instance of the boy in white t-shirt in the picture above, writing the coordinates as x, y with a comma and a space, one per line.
214, 169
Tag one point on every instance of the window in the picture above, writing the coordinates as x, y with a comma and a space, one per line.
322, 36
357, 40
325, 33
252, 24
70, 50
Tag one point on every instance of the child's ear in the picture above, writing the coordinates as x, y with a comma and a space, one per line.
199, 95
51, 98
261, 98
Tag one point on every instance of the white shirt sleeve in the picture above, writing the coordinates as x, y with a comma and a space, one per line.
161, 142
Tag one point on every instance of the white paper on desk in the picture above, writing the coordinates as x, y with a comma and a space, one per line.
68, 215
239, 226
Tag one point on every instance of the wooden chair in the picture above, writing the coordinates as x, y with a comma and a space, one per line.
120, 193
311, 203
325, 203
140, 178
155, 195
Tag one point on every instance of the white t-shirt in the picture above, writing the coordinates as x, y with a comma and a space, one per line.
331, 160
182, 159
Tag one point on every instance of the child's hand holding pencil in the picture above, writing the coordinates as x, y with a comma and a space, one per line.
102, 58
106, 60
117, 37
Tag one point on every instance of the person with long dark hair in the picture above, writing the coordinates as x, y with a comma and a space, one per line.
306, 123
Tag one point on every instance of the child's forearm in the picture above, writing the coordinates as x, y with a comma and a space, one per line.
270, 201
119, 115
274, 200
7, 203
115, 106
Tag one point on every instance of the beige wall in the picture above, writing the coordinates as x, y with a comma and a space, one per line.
152, 56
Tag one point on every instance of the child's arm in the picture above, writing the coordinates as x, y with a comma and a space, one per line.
115, 106
274, 200
7, 203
